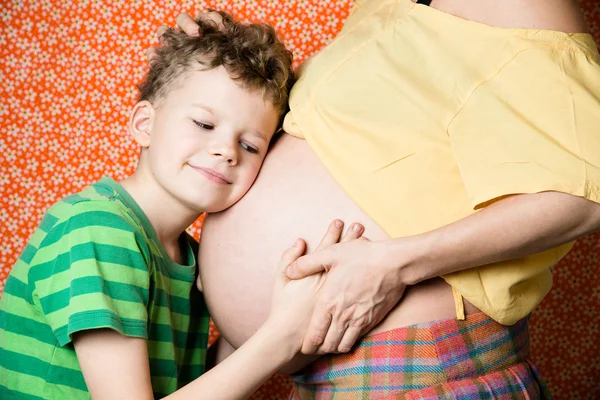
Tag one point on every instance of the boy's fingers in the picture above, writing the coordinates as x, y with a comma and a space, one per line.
187, 24
309, 265
291, 254
355, 231
332, 236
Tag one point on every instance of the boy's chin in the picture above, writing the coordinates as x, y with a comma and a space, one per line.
217, 208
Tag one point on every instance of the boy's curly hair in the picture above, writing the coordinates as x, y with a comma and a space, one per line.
252, 54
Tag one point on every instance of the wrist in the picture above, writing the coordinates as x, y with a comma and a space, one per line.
284, 340
411, 258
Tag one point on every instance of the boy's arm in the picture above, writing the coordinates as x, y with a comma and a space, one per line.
113, 366
238, 376
219, 351
278, 340
116, 367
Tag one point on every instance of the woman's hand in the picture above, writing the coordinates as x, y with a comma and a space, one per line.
293, 301
366, 279
360, 288
186, 24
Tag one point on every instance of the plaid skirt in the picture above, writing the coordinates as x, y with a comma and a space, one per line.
477, 358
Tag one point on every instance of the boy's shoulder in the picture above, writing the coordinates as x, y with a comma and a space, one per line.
99, 210
99, 214
97, 201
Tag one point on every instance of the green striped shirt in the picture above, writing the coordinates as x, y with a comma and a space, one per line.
96, 262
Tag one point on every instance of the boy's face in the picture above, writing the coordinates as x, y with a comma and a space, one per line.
207, 140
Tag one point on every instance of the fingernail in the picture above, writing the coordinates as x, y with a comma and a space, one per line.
338, 223
356, 227
297, 243
290, 271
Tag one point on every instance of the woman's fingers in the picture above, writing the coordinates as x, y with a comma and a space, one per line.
320, 259
211, 15
354, 232
161, 31
187, 24
340, 336
332, 339
350, 337
317, 328
333, 234
151, 52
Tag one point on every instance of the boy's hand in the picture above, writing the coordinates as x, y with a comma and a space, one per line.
293, 301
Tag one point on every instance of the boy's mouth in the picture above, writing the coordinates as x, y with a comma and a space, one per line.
212, 175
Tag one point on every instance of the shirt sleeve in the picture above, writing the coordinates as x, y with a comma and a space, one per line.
92, 271
291, 127
533, 127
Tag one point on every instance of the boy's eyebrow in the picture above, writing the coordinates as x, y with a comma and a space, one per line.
260, 135
207, 108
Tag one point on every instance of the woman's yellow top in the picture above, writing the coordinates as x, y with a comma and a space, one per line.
423, 118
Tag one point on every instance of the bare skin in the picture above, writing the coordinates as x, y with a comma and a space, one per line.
556, 15
237, 284
294, 196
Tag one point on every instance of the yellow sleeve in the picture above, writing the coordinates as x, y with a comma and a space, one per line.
533, 127
290, 126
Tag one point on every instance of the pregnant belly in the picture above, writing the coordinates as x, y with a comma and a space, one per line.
294, 196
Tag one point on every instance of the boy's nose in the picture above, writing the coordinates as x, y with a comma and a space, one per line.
225, 151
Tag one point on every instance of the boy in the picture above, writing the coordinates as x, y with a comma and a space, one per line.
102, 301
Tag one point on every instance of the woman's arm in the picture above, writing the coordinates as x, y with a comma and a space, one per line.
375, 273
511, 228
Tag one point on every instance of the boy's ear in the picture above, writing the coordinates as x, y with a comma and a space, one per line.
141, 121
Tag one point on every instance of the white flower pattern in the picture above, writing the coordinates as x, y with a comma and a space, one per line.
69, 81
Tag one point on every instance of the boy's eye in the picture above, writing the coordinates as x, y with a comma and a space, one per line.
202, 125
248, 148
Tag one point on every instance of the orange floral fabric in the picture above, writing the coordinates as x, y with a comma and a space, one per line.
68, 75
